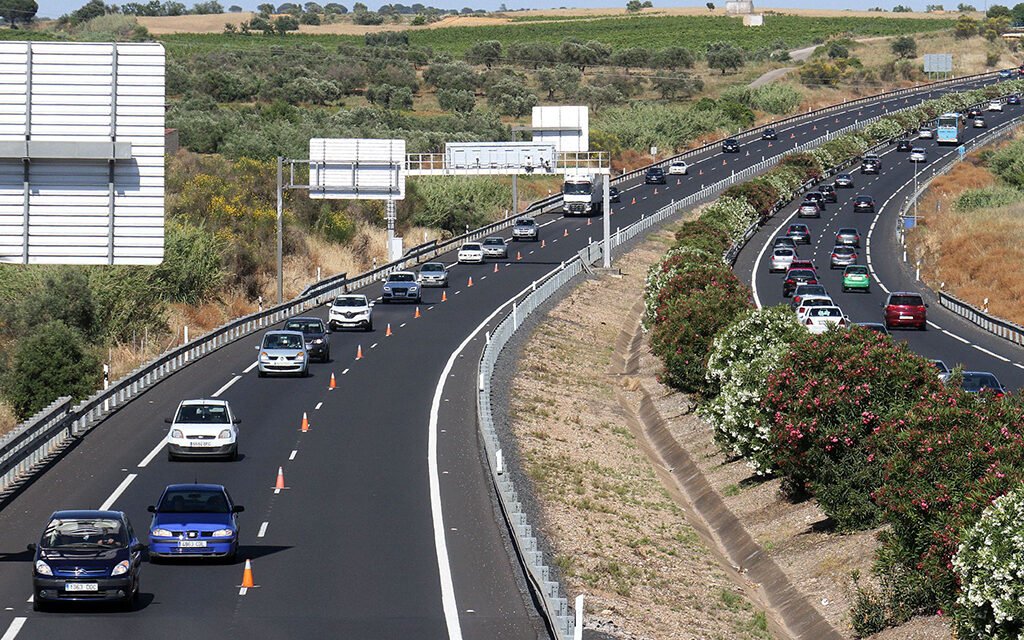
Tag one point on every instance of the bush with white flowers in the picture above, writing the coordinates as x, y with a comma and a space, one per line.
990, 565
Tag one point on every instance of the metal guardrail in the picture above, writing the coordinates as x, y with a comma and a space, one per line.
997, 326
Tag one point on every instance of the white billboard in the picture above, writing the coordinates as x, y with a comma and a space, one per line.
567, 128
356, 169
501, 157
81, 153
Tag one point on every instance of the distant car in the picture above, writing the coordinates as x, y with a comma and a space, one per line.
940, 366
525, 229
877, 327
769, 134
843, 181
1013, 99
318, 342
803, 264
918, 155
982, 381
925, 133
471, 252
816, 197
614, 195
819, 319
995, 105
402, 286
979, 123
903, 145
871, 163
805, 291
842, 256
784, 241
654, 175
678, 168
905, 309
800, 233
730, 145
203, 428
974, 112
864, 204
495, 247
828, 192
353, 311
194, 520
856, 278
848, 236
86, 556
1005, 74
283, 352
433, 274
781, 259
796, 277
809, 209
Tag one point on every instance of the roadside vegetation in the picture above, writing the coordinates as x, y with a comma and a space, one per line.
850, 418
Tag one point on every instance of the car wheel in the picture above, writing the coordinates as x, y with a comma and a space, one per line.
38, 605
327, 355
261, 374
305, 372
233, 456
845, 289
923, 327
369, 327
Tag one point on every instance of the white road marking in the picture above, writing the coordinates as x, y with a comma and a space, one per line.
344, 372
953, 335
242, 591
401, 325
251, 367
14, 629
991, 353
318, 405
294, 453
226, 386
152, 454
109, 502
373, 346
263, 530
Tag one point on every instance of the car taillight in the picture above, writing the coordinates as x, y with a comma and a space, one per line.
790, 281
842, 323
809, 322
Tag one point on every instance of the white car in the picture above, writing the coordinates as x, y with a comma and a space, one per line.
782, 257
471, 252
925, 133
351, 311
678, 168
203, 428
995, 105
819, 319
917, 154
812, 301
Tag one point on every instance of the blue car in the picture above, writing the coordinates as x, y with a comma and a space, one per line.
86, 556
194, 520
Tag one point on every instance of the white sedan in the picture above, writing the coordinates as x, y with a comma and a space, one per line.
810, 302
203, 428
471, 252
678, 168
819, 319
925, 133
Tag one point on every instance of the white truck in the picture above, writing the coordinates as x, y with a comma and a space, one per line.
583, 194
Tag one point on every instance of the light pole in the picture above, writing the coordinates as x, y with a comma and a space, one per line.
280, 224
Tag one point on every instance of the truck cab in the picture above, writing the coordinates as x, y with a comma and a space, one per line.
583, 195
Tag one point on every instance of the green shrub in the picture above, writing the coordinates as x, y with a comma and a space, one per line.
191, 271
699, 234
451, 203
987, 197
778, 99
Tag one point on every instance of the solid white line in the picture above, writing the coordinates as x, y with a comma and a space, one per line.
953, 335
109, 502
251, 367
14, 629
294, 453
152, 454
263, 530
226, 386
994, 355
451, 610
318, 405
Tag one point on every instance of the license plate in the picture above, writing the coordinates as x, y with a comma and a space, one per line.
200, 443
903, 317
192, 544
81, 586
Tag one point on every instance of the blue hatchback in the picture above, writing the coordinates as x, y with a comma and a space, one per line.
194, 520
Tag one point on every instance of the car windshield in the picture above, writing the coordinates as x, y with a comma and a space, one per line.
847, 232
305, 326
940, 365
578, 188
470, 247
654, 171
798, 228
432, 267
84, 533
843, 176
493, 241
863, 198
975, 381
401, 277
194, 501
678, 164
346, 301
918, 150
282, 341
825, 188
731, 141
525, 223
202, 414
906, 301
857, 271
785, 241
809, 203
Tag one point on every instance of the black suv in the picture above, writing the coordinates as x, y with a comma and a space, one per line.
613, 194
864, 204
871, 164
730, 145
904, 145
769, 134
314, 334
655, 175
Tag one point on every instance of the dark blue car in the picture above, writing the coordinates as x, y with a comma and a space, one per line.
194, 520
90, 556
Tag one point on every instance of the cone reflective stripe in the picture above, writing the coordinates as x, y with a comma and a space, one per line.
280, 479
417, 314
387, 333
519, 255
679, 181
723, 162
247, 580
305, 422
634, 200
656, 188
359, 352
588, 222
541, 244
700, 172
333, 384
495, 267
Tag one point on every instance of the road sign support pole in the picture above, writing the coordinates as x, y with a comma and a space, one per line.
391, 215
606, 260
280, 231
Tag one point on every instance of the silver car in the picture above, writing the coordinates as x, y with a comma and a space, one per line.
782, 257
283, 352
917, 154
433, 274
495, 247
809, 209
843, 256
525, 229
848, 236
401, 285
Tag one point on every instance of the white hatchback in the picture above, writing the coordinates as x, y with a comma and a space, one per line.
819, 319
678, 168
203, 428
471, 252
995, 105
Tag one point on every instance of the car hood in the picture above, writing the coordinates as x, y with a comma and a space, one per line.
198, 521
281, 353
350, 309
91, 563
208, 428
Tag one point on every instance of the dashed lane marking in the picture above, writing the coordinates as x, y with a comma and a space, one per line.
318, 405
227, 386
14, 629
294, 453
251, 367
109, 502
263, 530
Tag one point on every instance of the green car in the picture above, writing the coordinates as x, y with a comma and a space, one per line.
856, 276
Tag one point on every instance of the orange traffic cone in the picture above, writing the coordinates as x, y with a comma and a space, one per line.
837, 120
417, 314
359, 352
280, 480
656, 188
769, 143
588, 222
333, 385
247, 581
748, 153
565, 232
387, 332
444, 297
814, 128
792, 135
519, 255
495, 267
723, 162
700, 172
679, 181
634, 201
470, 284
305, 422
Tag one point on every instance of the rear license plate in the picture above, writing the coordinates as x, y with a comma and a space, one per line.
192, 544
903, 317
81, 586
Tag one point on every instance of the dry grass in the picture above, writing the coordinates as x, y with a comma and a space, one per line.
968, 55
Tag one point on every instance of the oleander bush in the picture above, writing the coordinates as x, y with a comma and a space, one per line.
702, 235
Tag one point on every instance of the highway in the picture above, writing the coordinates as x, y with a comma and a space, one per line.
948, 337
387, 528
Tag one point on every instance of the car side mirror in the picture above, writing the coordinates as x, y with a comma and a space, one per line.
236, 421
31, 547
237, 509
168, 420
151, 509
137, 547
257, 347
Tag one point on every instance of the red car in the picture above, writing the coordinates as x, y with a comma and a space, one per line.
905, 309
803, 264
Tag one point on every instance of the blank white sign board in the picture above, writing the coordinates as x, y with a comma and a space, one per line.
356, 168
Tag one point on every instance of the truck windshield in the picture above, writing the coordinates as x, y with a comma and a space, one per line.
578, 188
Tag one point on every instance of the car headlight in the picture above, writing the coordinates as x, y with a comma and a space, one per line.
412, 288
161, 533
121, 568
176, 433
318, 341
223, 533
43, 569
387, 287
226, 433
300, 355
264, 356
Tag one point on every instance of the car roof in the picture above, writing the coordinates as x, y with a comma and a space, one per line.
283, 331
864, 196
430, 264
87, 513
204, 401
405, 273
194, 486
842, 229
526, 221
801, 272
304, 319
678, 162
489, 238
360, 295
904, 293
